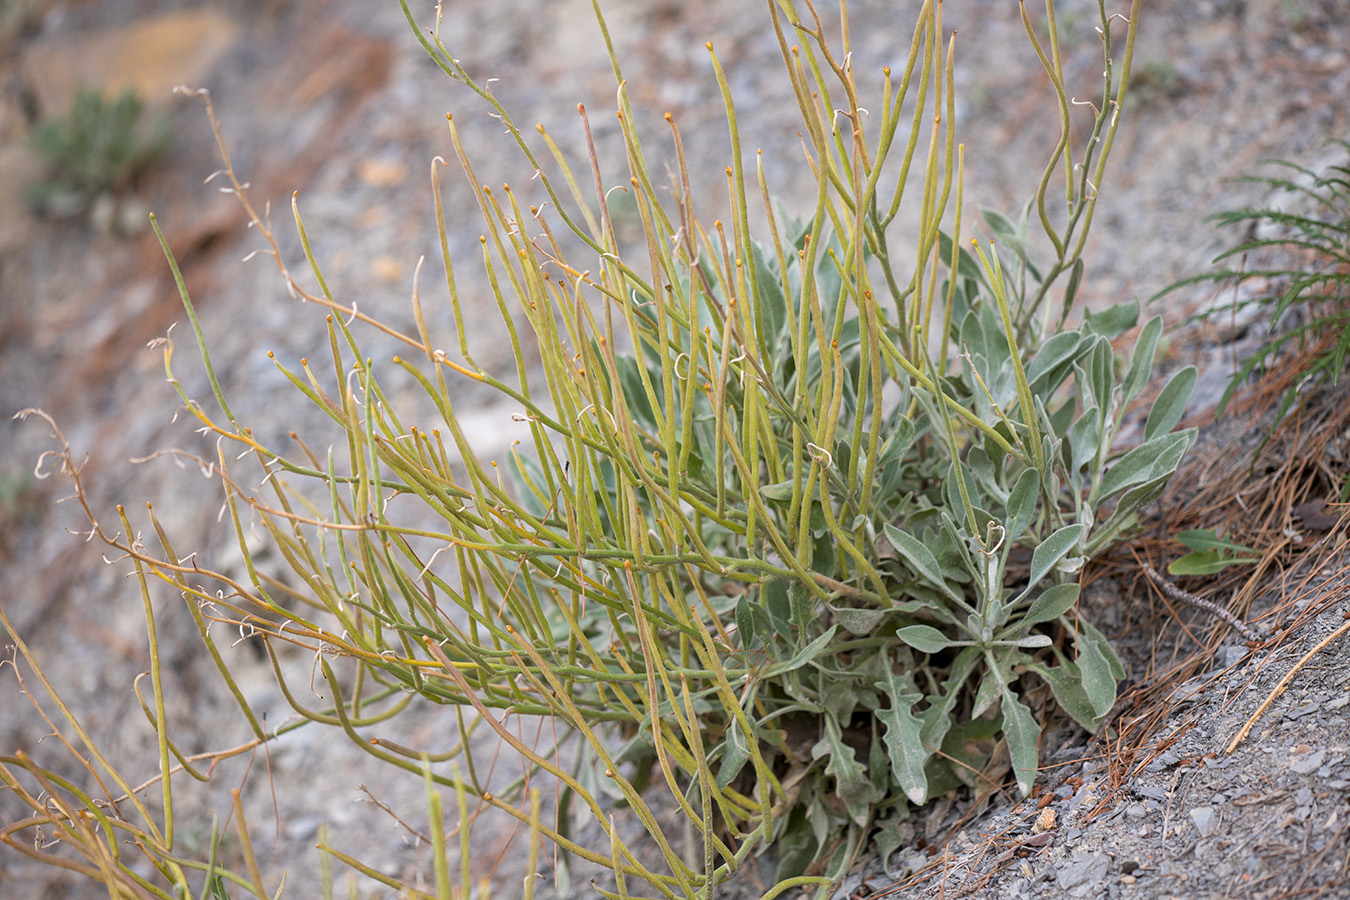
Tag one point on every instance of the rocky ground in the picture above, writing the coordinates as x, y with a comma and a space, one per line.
337, 101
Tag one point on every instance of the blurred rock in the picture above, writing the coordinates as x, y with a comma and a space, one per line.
150, 56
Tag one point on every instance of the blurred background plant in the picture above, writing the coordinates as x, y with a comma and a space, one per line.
95, 153
786, 558
1289, 274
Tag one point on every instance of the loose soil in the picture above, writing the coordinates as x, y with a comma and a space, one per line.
336, 100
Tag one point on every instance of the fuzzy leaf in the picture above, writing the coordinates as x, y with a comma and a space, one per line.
1103, 361
924, 638
1055, 354
1140, 495
1066, 683
858, 621
903, 744
1021, 505
850, 776
967, 266
937, 717
1050, 605
1084, 438
804, 655
1099, 682
1141, 360
1113, 322
1023, 735
986, 695
1052, 550
1171, 403
778, 493
772, 301
1144, 462
919, 557
752, 622
735, 753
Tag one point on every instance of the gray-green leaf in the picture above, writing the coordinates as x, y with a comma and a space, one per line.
903, 744
1099, 682
924, 638
1113, 322
805, 655
1021, 504
1171, 403
1050, 605
850, 775
1142, 463
920, 558
1084, 438
1022, 734
1141, 360
1052, 550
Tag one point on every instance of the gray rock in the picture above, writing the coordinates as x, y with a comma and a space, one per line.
1205, 820
1150, 791
1306, 765
1084, 871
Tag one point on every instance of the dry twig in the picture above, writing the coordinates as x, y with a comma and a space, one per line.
1209, 606
1280, 688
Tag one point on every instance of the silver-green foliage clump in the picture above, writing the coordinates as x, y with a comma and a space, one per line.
796, 532
98, 149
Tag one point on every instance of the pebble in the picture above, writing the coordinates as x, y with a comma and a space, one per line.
1306, 765
1310, 707
1085, 870
302, 828
1204, 819
1151, 791
1164, 760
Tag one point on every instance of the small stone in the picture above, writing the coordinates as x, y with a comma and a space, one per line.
1128, 879
1310, 707
1083, 871
1135, 811
1204, 819
302, 828
1130, 866
1308, 764
1164, 760
1151, 791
